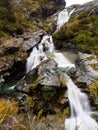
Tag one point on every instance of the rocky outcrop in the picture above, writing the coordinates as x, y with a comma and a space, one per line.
85, 75
83, 7
47, 8
14, 53
45, 86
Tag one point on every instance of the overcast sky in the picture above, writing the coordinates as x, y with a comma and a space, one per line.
70, 2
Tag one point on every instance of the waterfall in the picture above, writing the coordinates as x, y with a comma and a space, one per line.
39, 54
80, 110
63, 17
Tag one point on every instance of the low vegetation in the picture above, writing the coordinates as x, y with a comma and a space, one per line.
11, 119
81, 30
93, 88
17, 16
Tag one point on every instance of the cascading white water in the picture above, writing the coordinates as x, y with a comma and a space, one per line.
62, 61
39, 54
80, 110
63, 17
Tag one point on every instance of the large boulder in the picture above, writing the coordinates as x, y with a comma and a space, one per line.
46, 86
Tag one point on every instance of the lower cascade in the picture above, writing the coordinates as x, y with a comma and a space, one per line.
80, 110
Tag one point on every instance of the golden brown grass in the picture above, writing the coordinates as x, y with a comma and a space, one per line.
11, 120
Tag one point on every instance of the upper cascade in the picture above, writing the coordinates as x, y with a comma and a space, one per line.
46, 45
63, 17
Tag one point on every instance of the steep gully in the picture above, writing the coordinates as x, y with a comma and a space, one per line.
79, 105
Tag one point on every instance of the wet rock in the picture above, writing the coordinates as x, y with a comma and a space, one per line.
1, 80
10, 67
71, 47
85, 70
30, 39
45, 75
45, 86
50, 78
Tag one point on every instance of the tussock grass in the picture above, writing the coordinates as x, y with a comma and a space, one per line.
10, 119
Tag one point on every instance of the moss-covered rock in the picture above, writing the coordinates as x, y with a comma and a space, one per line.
19, 16
81, 30
93, 87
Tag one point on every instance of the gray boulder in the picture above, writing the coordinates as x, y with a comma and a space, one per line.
46, 86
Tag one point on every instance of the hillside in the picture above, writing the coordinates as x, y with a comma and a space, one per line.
17, 16
81, 31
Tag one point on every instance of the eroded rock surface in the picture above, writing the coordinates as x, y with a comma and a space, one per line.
46, 86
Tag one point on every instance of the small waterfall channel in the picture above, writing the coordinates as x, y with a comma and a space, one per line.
80, 110
45, 50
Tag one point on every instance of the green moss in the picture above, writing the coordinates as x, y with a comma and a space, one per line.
83, 37
94, 88
81, 30
16, 19
32, 86
63, 81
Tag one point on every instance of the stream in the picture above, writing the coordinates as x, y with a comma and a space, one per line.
80, 118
